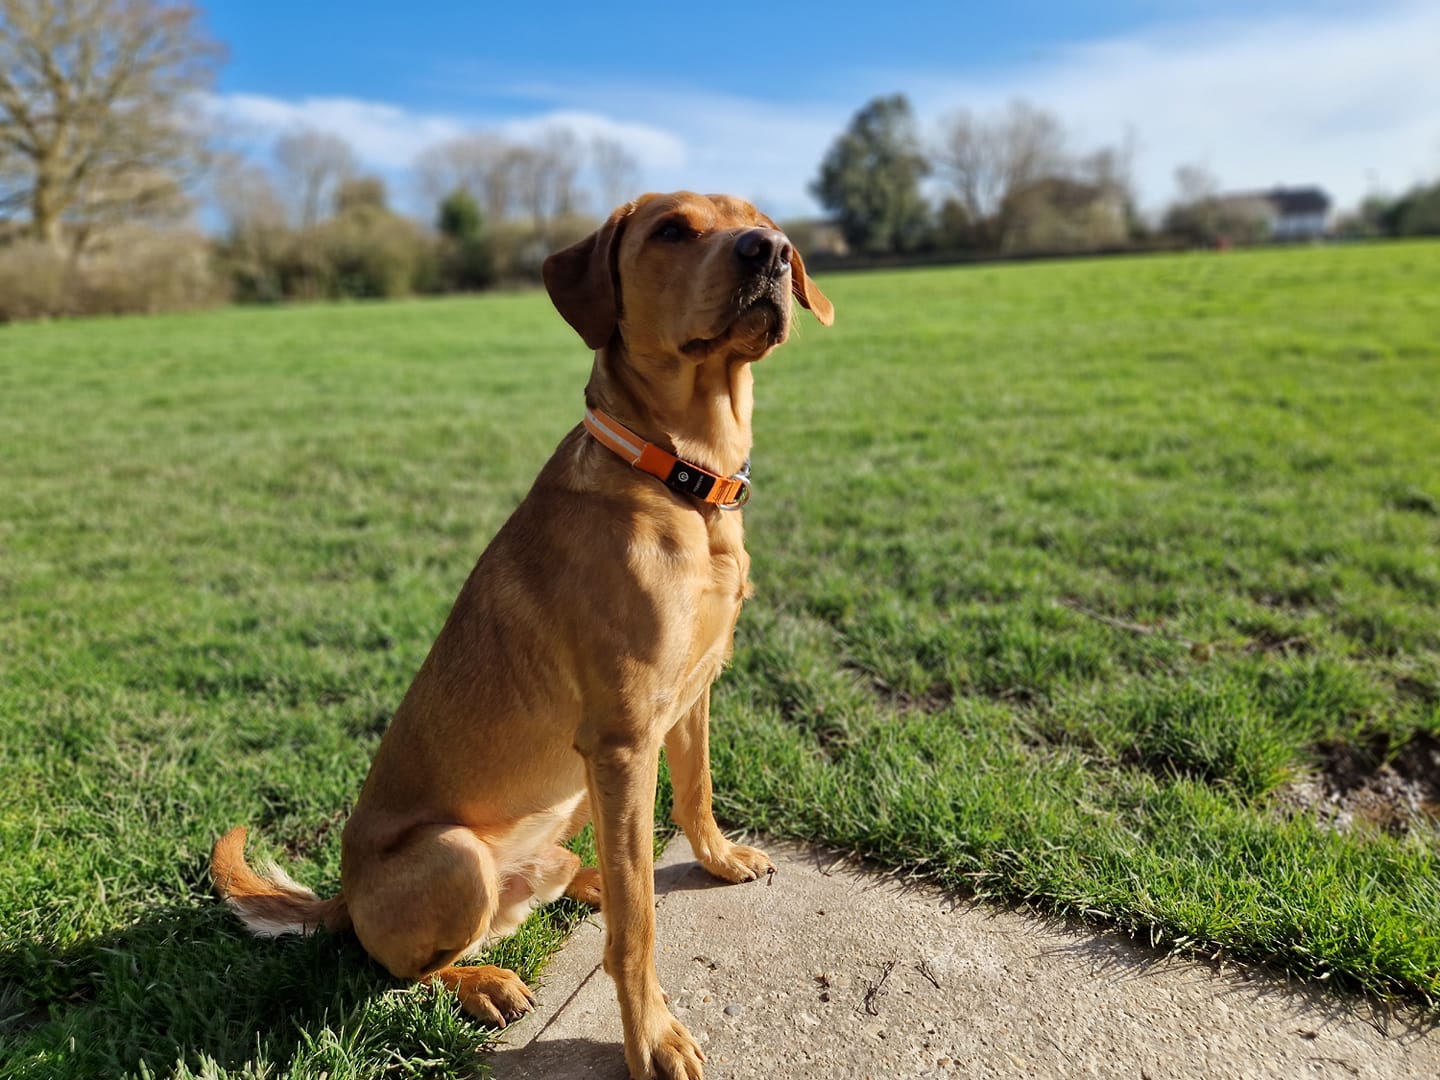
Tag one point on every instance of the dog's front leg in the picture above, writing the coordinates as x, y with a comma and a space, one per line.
687, 749
621, 779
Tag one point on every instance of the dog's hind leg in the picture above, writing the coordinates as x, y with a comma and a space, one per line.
585, 882
494, 995
421, 905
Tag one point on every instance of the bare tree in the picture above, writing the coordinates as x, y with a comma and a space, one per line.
314, 165
246, 197
562, 156
1111, 169
1195, 183
256, 231
617, 173
537, 181
483, 166
990, 161
1202, 215
94, 127
1195, 213
546, 174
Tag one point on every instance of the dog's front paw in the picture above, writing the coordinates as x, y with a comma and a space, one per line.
493, 995
666, 1052
736, 862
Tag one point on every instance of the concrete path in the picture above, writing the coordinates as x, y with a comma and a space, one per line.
828, 971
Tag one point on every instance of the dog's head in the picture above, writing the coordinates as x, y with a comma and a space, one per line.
684, 275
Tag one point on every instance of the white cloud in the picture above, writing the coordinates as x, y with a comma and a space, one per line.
653, 147
680, 139
384, 136
763, 151
1351, 103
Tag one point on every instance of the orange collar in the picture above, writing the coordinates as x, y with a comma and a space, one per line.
726, 492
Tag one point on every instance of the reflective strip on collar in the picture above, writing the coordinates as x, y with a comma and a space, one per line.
726, 492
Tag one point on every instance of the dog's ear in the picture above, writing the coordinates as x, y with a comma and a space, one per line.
808, 293
581, 281
805, 290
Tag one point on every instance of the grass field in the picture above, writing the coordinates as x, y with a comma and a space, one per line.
1067, 576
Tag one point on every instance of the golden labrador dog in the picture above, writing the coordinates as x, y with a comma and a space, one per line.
586, 638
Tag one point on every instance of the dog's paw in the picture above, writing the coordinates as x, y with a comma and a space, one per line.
736, 862
493, 995
585, 887
668, 1052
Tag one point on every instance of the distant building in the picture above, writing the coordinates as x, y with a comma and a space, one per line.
1298, 213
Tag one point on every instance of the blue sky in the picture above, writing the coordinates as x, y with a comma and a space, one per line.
745, 97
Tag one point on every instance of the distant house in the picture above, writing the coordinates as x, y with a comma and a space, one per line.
1298, 213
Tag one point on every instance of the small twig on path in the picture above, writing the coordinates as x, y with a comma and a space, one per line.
875, 991
925, 969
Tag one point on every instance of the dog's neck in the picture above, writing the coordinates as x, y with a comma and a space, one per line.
697, 409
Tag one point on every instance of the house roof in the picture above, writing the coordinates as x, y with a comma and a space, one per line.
1301, 200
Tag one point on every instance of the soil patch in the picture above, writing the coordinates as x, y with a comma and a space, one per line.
1358, 790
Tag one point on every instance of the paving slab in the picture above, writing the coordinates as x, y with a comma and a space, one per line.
830, 970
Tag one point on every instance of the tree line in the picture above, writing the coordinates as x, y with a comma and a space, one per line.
314, 226
104, 156
1014, 182
1010, 182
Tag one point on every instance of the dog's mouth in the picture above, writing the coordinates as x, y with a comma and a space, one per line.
760, 323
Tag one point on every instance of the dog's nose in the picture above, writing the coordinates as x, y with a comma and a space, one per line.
761, 250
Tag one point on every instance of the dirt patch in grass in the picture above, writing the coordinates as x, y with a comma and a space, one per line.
1358, 790
933, 701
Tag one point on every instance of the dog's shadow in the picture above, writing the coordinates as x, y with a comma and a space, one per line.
187, 986
688, 876
684, 877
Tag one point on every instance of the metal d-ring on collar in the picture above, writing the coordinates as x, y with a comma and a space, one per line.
744, 496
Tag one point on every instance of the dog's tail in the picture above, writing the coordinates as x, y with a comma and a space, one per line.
270, 903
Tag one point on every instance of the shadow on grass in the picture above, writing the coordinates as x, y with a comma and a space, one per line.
186, 988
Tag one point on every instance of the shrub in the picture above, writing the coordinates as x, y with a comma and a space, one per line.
460, 217
147, 271
521, 248
465, 265
33, 281
136, 270
465, 256
371, 253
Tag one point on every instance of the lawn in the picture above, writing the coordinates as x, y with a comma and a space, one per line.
1085, 585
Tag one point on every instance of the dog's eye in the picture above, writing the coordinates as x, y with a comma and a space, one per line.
672, 230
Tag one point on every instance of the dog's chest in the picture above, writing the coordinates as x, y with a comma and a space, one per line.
727, 584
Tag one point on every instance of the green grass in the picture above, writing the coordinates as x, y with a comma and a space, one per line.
227, 540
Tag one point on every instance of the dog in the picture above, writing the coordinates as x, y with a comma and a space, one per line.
586, 637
